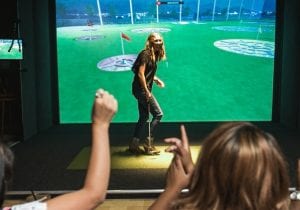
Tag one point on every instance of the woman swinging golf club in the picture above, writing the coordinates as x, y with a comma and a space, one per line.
144, 69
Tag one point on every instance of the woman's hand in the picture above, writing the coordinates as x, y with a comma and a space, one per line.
159, 82
179, 172
148, 95
104, 108
177, 178
182, 149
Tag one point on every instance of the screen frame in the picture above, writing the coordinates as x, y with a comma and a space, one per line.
276, 101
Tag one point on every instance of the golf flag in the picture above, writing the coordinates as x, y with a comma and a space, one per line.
124, 36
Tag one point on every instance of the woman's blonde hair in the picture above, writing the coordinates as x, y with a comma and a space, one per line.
240, 167
161, 53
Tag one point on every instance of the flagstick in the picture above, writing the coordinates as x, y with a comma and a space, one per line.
122, 44
259, 31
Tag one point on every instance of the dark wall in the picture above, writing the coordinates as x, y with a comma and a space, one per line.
8, 18
10, 91
290, 75
37, 66
39, 84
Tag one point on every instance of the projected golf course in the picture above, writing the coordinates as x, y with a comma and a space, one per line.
214, 71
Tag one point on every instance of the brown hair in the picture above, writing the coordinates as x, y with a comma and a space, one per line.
240, 167
6, 168
159, 55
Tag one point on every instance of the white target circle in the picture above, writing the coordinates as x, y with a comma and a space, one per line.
249, 47
117, 63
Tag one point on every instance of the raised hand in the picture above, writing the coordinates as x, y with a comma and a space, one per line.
182, 149
104, 108
177, 178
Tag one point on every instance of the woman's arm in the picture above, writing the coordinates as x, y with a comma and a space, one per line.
159, 82
179, 173
142, 79
94, 190
182, 149
177, 180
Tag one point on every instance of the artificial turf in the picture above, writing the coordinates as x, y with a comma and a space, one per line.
203, 83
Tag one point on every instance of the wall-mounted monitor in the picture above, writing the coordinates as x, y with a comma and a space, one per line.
220, 57
11, 49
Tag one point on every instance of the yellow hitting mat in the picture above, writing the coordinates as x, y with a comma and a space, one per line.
122, 159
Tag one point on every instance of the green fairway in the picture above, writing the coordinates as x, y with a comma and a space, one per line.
203, 82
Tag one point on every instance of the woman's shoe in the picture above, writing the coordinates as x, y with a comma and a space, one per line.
149, 147
135, 148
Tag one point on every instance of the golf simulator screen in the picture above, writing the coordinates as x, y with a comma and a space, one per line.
219, 66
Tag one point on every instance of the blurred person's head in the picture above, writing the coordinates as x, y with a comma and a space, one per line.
155, 43
240, 167
6, 167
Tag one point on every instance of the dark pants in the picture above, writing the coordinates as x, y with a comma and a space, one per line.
144, 106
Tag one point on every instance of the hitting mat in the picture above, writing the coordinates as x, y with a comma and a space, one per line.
122, 159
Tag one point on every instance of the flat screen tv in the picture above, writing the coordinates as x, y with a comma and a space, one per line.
220, 57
